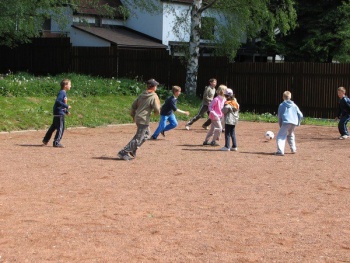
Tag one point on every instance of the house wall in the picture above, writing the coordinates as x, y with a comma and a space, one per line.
144, 22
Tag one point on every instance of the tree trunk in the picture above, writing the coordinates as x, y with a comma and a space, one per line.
192, 62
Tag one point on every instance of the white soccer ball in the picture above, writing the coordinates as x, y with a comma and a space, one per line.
269, 135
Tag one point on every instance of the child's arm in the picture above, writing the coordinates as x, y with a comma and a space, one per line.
183, 112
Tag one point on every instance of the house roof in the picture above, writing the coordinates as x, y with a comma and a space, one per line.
122, 37
86, 8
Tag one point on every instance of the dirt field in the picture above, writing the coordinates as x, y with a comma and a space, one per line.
178, 201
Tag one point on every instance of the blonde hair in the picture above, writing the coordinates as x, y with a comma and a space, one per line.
64, 83
342, 89
221, 90
287, 95
176, 88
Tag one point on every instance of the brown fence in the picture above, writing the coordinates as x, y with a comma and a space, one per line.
258, 86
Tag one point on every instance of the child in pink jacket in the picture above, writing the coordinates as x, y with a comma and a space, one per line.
215, 114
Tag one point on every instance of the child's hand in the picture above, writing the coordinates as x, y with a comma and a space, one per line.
187, 113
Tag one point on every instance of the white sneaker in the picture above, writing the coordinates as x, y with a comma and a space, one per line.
187, 127
225, 149
343, 137
234, 149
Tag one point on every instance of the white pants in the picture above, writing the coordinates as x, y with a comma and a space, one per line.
214, 130
286, 132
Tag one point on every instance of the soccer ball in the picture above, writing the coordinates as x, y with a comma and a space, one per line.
269, 135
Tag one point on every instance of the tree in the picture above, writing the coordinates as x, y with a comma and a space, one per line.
22, 20
322, 34
244, 19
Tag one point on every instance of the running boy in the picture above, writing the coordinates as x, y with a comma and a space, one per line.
289, 116
141, 110
60, 108
167, 114
208, 96
231, 116
343, 113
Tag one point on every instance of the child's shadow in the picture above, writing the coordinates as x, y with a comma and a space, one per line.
30, 145
107, 158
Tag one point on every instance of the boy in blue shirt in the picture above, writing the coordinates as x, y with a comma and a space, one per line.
343, 113
60, 108
289, 116
167, 114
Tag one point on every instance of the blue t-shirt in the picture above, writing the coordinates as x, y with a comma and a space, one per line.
169, 106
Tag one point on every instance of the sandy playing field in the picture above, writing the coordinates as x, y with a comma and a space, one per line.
178, 201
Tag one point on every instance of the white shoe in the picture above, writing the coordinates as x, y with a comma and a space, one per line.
234, 149
225, 149
187, 127
343, 137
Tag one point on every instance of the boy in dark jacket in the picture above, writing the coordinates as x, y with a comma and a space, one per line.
60, 108
343, 113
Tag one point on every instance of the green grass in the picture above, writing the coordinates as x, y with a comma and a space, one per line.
26, 102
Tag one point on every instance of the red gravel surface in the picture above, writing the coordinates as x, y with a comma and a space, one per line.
178, 201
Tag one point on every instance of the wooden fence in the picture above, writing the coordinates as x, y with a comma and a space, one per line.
258, 86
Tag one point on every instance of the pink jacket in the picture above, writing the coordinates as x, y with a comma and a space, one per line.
215, 108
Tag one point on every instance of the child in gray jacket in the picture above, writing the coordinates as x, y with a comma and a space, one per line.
231, 116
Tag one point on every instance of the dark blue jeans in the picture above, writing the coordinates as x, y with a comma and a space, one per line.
230, 135
343, 121
58, 126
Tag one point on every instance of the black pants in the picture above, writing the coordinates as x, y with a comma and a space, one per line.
203, 109
57, 124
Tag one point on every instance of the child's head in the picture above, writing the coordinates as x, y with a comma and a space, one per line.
229, 95
287, 95
152, 84
212, 82
221, 90
341, 92
65, 84
176, 91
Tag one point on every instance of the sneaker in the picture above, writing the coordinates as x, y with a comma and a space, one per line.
214, 143
58, 145
234, 149
205, 127
225, 149
153, 138
293, 151
162, 133
124, 156
343, 137
206, 143
44, 143
187, 127
278, 154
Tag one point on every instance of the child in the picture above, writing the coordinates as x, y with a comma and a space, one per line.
141, 110
231, 116
167, 114
60, 108
343, 113
215, 115
208, 96
289, 116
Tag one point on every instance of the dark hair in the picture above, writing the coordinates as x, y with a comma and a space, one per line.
64, 83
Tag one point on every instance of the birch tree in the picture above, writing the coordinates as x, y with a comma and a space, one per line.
243, 20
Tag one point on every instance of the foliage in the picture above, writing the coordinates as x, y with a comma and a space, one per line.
322, 34
22, 20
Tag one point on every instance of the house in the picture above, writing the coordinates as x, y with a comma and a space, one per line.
160, 29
